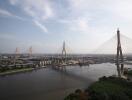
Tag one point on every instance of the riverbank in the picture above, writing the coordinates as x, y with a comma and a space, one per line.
107, 88
14, 71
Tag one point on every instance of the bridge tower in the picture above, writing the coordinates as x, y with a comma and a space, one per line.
30, 51
16, 52
119, 56
16, 55
64, 50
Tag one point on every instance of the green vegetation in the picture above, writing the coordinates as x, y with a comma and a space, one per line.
15, 71
129, 72
107, 88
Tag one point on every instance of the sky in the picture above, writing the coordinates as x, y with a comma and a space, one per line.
44, 24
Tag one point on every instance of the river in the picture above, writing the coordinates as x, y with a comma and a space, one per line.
50, 84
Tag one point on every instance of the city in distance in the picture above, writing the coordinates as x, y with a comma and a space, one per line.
65, 50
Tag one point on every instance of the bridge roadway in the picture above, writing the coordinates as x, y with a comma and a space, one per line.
127, 63
59, 61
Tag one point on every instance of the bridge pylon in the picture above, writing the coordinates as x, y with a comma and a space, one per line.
30, 51
16, 55
119, 56
64, 51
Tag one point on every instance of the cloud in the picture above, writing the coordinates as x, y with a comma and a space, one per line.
9, 14
41, 26
37, 23
102, 13
97, 18
80, 4
13, 2
79, 25
40, 9
123, 9
115, 8
4, 12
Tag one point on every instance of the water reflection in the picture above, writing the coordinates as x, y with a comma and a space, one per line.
49, 84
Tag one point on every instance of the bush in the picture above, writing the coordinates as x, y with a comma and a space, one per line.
129, 72
107, 88
111, 88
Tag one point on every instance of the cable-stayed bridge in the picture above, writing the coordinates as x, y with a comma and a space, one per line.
110, 46
117, 46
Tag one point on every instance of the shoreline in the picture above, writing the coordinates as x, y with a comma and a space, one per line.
106, 88
10, 72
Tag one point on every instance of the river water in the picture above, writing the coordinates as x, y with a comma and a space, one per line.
50, 84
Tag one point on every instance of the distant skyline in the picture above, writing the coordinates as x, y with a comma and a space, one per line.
44, 24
